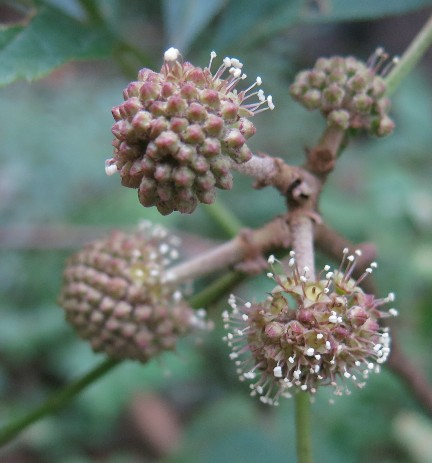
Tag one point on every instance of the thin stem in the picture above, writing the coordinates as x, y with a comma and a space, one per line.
227, 221
56, 401
302, 239
410, 58
302, 419
217, 289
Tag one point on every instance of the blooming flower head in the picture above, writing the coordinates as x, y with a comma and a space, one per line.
180, 129
309, 333
348, 92
117, 294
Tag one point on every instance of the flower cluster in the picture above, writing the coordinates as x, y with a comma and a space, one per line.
348, 92
309, 333
117, 294
180, 129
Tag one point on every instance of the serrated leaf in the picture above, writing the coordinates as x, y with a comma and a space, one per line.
185, 19
50, 40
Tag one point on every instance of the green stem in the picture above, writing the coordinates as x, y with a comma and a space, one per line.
216, 289
227, 221
410, 58
56, 401
303, 437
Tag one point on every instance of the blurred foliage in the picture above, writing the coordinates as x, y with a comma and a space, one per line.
55, 137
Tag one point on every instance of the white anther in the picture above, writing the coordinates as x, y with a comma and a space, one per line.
227, 62
329, 275
297, 374
236, 63
270, 275
270, 103
310, 351
373, 264
358, 252
326, 268
271, 259
393, 312
320, 336
248, 305
171, 54
110, 169
328, 345
277, 371
258, 80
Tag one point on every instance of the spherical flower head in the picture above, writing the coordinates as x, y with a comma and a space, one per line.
348, 92
309, 333
117, 294
179, 130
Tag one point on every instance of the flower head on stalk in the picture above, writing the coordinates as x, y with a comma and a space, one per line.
117, 294
309, 333
179, 130
348, 92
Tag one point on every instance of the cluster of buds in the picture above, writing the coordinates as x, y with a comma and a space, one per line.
348, 92
309, 333
117, 295
180, 129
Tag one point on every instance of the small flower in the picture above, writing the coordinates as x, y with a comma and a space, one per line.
348, 92
179, 130
117, 295
309, 333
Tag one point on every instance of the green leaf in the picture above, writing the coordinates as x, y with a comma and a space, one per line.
245, 20
50, 40
185, 19
339, 10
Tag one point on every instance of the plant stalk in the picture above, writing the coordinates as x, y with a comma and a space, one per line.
412, 55
302, 420
56, 401
302, 231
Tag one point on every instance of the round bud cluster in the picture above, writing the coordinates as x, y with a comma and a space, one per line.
116, 294
180, 129
309, 333
348, 92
